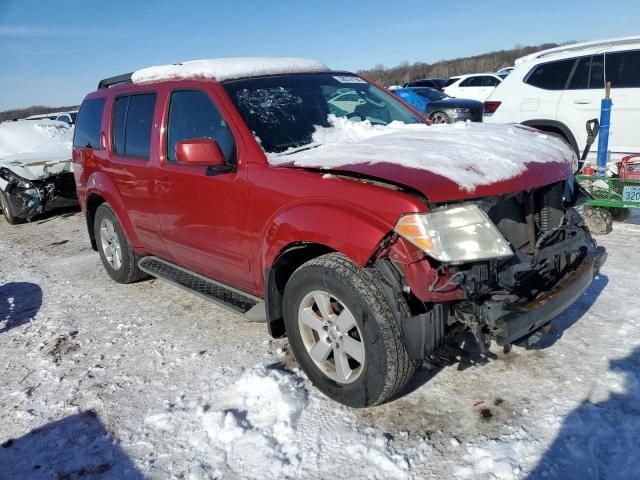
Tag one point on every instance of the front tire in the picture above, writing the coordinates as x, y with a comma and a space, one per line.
7, 210
440, 117
599, 221
343, 332
116, 253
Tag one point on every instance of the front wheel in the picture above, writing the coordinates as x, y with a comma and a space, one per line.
343, 332
440, 117
7, 210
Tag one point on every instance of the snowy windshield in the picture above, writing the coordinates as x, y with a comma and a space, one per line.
284, 111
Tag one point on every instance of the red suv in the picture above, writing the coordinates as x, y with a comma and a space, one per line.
368, 238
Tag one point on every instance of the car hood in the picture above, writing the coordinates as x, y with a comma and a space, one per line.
455, 103
35, 150
444, 162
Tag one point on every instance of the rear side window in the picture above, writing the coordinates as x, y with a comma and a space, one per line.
192, 114
87, 131
589, 74
132, 123
623, 69
488, 81
471, 82
551, 76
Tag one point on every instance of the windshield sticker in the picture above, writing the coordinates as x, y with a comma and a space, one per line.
348, 79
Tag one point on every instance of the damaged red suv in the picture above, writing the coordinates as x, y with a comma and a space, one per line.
325, 206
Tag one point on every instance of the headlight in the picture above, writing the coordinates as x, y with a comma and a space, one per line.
454, 234
461, 110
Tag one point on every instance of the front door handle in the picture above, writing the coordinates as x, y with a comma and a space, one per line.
582, 102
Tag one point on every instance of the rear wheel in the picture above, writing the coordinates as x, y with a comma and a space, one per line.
440, 117
343, 332
7, 210
116, 253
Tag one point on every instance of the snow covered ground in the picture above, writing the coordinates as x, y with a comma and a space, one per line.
101, 380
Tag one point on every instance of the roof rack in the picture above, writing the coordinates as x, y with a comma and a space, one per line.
111, 81
575, 47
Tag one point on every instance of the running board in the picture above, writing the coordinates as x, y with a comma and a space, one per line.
250, 307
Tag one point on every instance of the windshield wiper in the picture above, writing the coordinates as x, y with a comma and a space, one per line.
300, 149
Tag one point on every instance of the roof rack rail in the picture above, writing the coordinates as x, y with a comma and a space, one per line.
111, 81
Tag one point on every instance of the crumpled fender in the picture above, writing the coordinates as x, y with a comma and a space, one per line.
350, 230
100, 184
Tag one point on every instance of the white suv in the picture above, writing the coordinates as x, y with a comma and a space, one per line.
559, 89
476, 86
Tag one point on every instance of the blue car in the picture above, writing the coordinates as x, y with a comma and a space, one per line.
440, 107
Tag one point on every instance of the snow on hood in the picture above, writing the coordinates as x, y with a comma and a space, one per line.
469, 154
36, 149
222, 69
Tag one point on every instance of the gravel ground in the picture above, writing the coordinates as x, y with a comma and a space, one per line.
101, 380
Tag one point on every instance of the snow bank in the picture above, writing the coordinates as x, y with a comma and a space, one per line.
222, 69
36, 149
265, 425
470, 154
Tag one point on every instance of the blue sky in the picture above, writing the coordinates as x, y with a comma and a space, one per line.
54, 52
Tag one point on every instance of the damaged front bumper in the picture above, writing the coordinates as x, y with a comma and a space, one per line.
510, 322
28, 198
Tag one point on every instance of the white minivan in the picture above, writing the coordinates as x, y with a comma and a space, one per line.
474, 86
560, 89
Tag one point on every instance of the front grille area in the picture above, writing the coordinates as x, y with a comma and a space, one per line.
547, 239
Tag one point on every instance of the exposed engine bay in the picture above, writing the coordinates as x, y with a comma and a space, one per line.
27, 198
510, 300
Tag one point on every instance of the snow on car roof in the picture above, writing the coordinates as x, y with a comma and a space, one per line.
470, 154
222, 69
35, 149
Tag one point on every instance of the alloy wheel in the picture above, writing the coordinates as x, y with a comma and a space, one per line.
110, 244
331, 337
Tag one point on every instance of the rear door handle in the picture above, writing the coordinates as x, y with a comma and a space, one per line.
582, 102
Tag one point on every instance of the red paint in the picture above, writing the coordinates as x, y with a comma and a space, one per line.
233, 225
202, 152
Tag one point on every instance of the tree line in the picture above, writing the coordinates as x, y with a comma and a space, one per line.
487, 62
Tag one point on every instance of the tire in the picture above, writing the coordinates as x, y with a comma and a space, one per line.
7, 210
116, 253
439, 117
385, 367
598, 220
619, 214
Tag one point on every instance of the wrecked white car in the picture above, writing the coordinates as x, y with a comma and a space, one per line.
35, 168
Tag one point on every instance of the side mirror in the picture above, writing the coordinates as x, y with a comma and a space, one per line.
202, 152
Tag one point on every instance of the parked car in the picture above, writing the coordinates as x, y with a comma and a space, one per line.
35, 168
437, 83
68, 117
477, 86
441, 108
366, 237
503, 72
559, 89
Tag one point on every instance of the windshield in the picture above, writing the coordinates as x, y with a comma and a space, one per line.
283, 111
431, 94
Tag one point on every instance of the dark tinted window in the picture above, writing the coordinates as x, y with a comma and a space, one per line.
74, 116
451, 81
431, 94
488, 81
117, 124
87, 132
192, 114
137, 132
472, 82
551, 76
623, 69
589, 73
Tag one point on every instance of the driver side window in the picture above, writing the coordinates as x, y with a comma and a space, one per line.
192, 114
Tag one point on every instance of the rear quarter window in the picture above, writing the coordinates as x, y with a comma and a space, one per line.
623, 69
87, 131
552, 75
